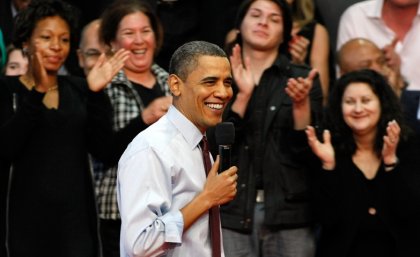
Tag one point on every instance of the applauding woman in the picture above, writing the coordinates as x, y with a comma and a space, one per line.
48, 123
368, 190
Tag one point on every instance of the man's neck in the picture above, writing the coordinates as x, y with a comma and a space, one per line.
399, 18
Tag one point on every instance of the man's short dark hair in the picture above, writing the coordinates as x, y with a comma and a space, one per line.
185, 58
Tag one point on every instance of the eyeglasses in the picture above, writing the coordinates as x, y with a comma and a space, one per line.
92, 53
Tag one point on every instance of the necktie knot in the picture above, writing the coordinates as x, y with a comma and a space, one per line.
204, 144
206, 155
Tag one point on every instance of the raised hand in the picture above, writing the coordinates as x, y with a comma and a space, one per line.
391, 139
325, 150
105, 69
392, 58
298, 88
42, 79
298, 49
241, 71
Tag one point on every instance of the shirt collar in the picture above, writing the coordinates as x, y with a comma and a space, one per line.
281, 62
376, 12
188, 130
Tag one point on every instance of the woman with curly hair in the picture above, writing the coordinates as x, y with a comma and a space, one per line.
369, 186
48, 123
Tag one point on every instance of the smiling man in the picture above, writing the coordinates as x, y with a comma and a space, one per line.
163, 193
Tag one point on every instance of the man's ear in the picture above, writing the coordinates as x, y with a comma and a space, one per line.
175, 83
80, 58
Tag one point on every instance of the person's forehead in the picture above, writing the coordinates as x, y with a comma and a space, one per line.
360, 52
267, 6
209, 66
16, 53
91, 38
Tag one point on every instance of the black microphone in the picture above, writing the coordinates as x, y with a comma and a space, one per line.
225, 136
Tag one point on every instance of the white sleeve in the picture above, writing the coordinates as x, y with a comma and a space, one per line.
148, 227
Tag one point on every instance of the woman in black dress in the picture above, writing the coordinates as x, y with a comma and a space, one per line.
369, 187
48, 123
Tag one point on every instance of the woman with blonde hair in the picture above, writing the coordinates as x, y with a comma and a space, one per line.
310, 44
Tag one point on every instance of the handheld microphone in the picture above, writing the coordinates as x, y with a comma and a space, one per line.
225, 136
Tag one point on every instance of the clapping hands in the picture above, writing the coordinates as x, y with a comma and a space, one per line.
105, 69
324, 150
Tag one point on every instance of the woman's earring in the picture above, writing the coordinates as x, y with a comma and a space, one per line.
25, 51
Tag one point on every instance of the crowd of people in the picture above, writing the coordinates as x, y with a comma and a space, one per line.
107, 128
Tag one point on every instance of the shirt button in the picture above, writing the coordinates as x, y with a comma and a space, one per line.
372, 211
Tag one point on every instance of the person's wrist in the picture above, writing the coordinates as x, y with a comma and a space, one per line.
390, 165
243, 95
328, 165
390, 161
303, 103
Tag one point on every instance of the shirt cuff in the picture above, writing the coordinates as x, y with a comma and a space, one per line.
174, 227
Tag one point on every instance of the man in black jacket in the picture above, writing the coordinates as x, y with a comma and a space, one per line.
270, 214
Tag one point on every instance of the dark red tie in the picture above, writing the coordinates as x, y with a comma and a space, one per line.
214, 216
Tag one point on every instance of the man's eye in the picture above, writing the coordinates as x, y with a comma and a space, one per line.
92, 54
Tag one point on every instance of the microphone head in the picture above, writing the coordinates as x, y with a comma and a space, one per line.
225, 133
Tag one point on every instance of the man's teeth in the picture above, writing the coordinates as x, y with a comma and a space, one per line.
215, 106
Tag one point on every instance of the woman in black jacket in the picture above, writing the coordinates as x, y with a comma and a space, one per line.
48, 123
368, 191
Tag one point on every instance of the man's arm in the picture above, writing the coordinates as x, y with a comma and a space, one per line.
148, 226
219, 189
150, 223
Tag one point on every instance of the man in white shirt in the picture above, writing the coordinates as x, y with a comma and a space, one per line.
163, 193
393, 25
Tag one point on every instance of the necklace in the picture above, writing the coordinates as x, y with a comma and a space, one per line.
29, 83
52, 88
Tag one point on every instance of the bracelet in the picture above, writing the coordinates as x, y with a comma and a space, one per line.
392, 165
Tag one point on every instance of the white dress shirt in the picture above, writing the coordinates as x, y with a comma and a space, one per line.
364, 20
159, 173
